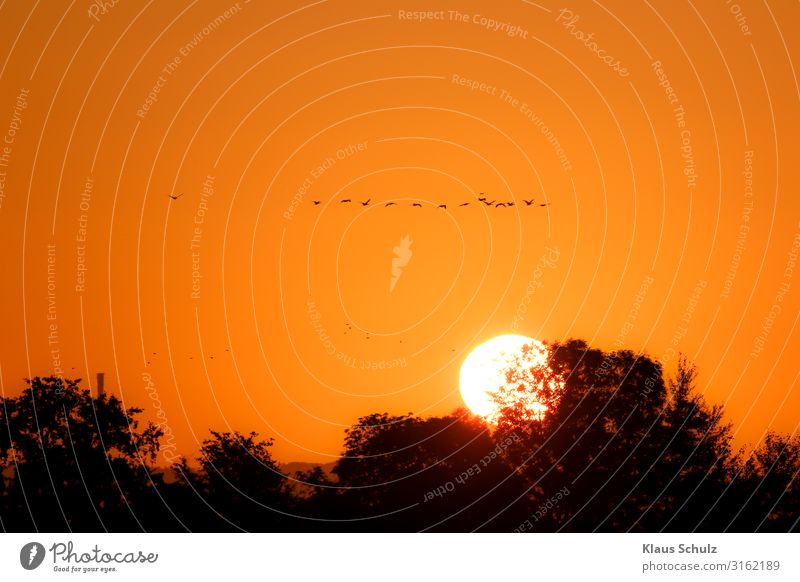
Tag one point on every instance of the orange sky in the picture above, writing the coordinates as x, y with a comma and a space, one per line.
665, 145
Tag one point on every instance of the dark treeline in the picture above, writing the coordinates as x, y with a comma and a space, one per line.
622, 449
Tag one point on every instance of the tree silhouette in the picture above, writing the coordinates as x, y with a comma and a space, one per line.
406, 473
631, 450
74, 462
585, 440
769, 486
239, 481
695, 460
532, 387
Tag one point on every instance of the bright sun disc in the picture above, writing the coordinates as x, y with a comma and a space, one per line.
485, 371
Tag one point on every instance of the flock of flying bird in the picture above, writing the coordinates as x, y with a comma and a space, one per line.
367, 202
481, 199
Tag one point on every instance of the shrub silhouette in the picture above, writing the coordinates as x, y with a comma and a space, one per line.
76, 463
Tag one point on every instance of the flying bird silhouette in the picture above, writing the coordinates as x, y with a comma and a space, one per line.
316, 202
391, 203
417, 204
366, 203
545, 204
528, 202
443, 206
487, 203
345, 200
465, 204
499, 204
175, 197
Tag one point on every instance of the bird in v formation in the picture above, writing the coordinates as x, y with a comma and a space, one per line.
482, 199
486, 202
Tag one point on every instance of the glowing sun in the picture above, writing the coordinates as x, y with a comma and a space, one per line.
509, 370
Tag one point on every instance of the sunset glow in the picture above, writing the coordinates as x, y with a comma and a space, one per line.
504, 363
399, 266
